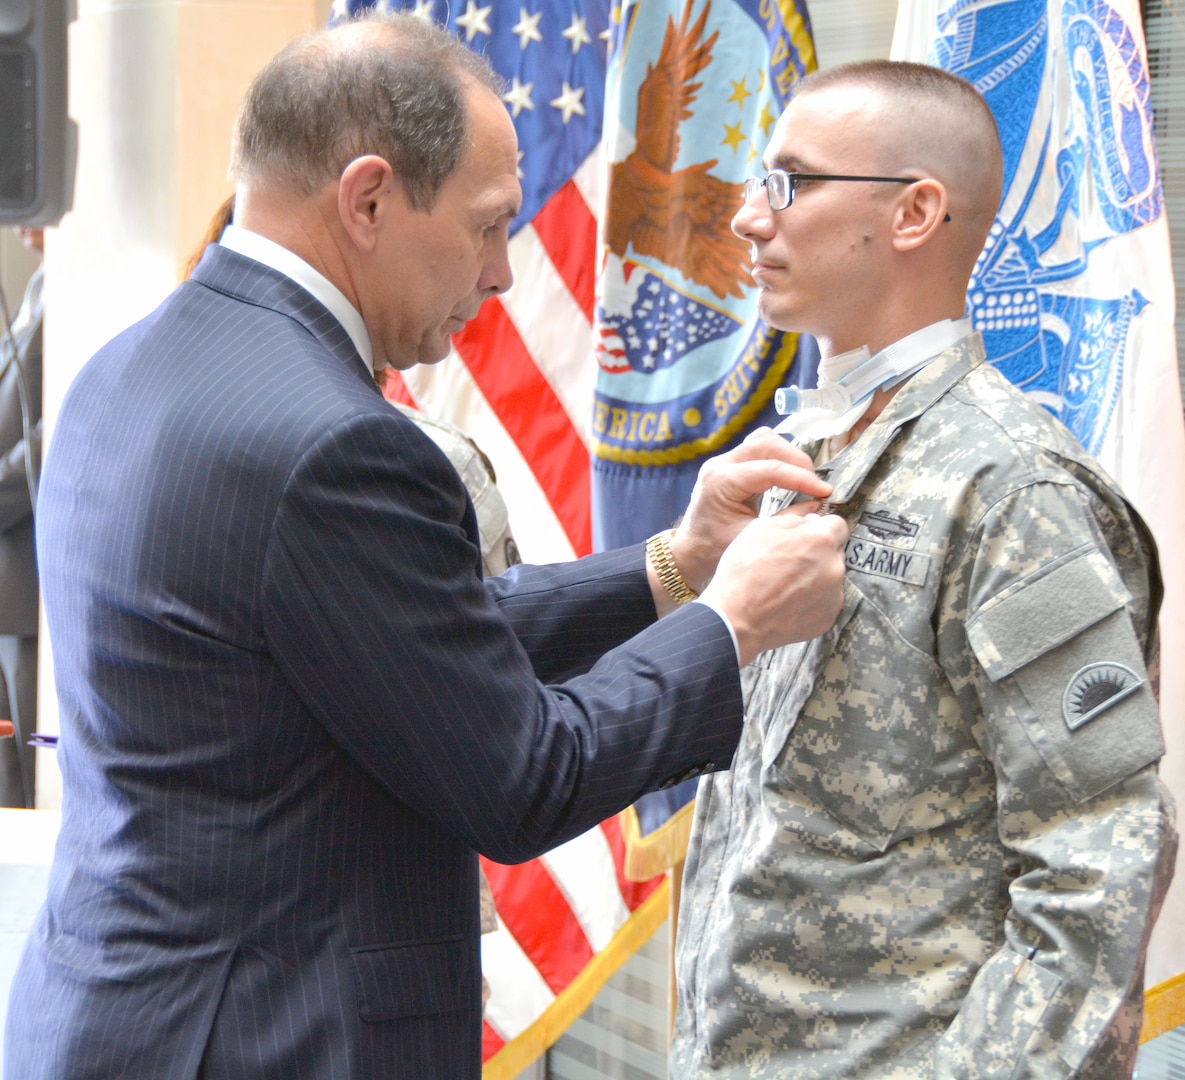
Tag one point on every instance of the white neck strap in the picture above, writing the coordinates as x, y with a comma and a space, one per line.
848, 381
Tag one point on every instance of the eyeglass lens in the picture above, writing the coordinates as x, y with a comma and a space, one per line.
779, 188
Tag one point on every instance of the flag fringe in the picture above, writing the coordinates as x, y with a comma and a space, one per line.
1164, 1007
521, 1051
655, 853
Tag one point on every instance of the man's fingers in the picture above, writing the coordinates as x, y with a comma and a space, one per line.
807, 513
764, 443
742, 479
800, 510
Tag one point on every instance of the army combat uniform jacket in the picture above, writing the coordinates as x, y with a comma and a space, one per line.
942, 842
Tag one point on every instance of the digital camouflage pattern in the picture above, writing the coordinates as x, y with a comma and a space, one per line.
499, 552
942, 843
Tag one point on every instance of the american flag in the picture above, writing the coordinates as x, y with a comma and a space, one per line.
520, 378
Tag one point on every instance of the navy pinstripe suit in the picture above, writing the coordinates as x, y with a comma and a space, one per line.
291, 710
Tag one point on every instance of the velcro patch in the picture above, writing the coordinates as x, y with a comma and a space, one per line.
868, 557
1094, 689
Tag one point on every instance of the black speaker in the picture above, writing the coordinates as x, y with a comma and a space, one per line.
37, 137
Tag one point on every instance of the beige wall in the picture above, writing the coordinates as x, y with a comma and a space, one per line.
153, 88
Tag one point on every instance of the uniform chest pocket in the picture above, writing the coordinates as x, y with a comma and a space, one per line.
854, 734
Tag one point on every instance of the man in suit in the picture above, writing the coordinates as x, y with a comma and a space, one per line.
292, 711
20, 455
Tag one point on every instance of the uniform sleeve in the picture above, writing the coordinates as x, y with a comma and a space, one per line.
1055, 624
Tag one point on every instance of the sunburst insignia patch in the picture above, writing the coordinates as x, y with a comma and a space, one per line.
1095, 688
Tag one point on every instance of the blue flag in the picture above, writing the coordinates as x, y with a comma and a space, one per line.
685, 366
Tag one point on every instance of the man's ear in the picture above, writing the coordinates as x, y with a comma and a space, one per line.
921, 211
365, 197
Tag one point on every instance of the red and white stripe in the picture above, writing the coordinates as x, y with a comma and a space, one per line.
554, 913
520, 378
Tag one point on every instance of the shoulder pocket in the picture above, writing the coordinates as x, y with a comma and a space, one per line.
1063, 649
1033, 616
420, 979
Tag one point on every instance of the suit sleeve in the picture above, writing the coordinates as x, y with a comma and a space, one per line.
564, 640
374, 608
1055, 653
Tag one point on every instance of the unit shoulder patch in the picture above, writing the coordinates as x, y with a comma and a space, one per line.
1094, 689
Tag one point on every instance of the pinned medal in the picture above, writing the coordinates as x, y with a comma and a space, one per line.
1094, 689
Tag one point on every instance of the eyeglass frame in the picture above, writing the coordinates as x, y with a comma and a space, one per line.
752, 183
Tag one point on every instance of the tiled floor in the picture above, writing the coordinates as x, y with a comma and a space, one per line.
1163, 1058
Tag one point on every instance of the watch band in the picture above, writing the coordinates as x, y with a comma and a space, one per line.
658, 551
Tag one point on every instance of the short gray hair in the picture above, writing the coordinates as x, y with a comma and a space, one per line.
386, 83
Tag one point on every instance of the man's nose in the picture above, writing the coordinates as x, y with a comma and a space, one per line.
496, 275
754, 220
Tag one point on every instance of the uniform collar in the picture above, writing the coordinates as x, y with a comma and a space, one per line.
847, 470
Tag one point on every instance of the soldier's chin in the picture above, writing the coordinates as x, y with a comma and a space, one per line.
767, 308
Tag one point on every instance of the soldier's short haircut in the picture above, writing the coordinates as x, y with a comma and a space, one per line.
934, 120
917, 82
386, 83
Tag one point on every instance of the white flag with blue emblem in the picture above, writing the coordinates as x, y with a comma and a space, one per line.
1074, 289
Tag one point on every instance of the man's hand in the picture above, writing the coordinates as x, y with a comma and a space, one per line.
727, 494
781, 580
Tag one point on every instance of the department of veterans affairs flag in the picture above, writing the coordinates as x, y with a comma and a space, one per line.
685, 367
1074, 289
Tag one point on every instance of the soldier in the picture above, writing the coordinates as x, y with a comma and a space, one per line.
942, 843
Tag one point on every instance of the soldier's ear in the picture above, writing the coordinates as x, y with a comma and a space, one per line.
920, 211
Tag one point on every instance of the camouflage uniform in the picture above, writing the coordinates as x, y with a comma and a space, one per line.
942, 842
498, 549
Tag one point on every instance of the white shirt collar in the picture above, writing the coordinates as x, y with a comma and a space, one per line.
292, 266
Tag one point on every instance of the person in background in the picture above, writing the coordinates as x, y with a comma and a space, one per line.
217, 224
942, 844
293, 710
20, 458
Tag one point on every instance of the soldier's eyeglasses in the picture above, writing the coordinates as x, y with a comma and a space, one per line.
780, 185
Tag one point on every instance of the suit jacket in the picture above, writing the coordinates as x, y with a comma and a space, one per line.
292, 711
18, 566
